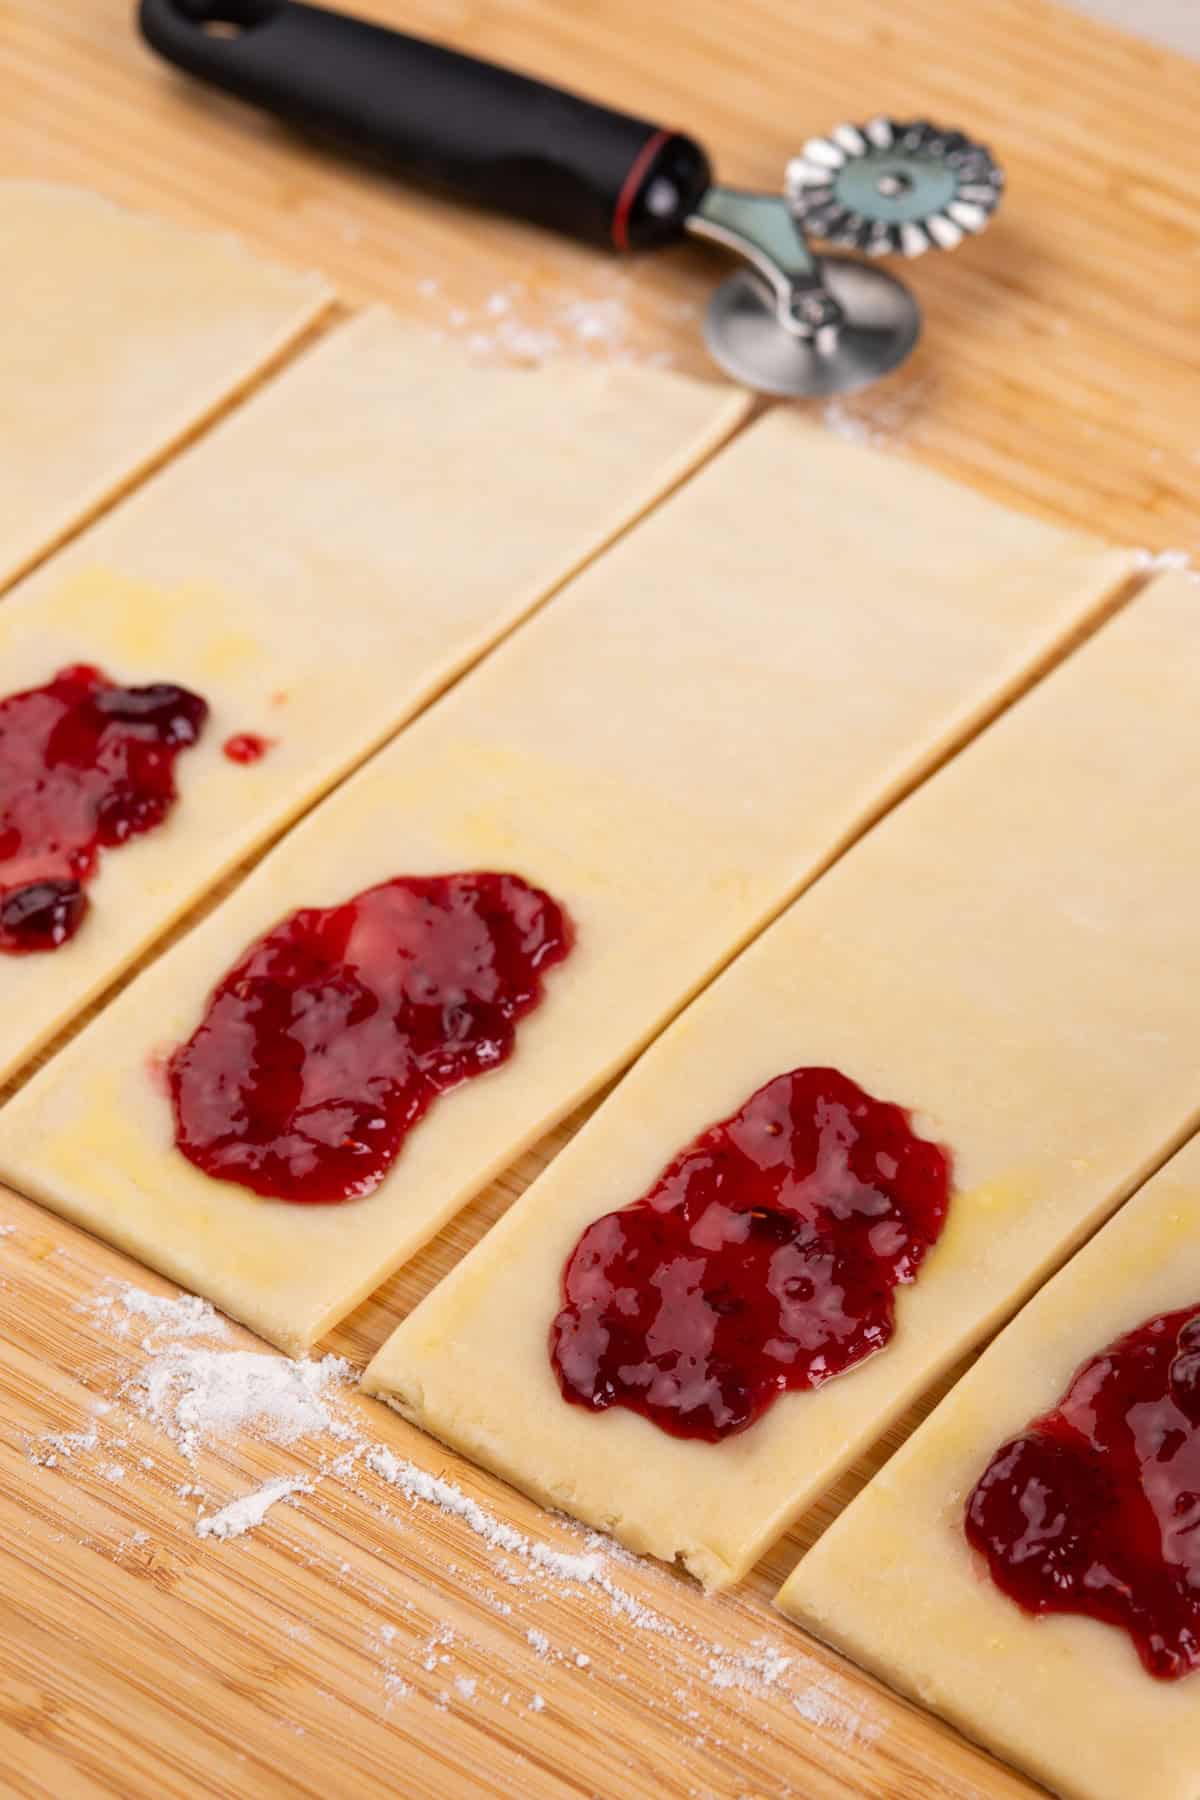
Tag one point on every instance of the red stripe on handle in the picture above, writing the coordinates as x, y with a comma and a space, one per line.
631, 185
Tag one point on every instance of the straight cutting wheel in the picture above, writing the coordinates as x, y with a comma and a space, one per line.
880, 324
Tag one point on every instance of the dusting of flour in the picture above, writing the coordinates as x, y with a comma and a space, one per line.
126, 1308
244, 1514
589, 1569
195, 1391
1157, 562
194, 1396
520, 324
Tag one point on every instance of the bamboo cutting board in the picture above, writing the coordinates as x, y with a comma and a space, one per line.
362, 1641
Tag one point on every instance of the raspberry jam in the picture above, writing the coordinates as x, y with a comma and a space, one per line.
246, 747
325, 1044
1095, 1507
84, 765
762, 1259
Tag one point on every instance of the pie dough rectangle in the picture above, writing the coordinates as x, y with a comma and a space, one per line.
318, 567
1014, 954
118, 334
894, 1583
688, 734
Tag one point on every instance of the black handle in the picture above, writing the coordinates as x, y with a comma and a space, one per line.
482, 132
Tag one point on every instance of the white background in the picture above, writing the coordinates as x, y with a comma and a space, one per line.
1174, 22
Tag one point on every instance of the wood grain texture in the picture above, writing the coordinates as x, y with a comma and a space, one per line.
1057, 373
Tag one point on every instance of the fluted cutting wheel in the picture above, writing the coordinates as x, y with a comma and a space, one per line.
887, 186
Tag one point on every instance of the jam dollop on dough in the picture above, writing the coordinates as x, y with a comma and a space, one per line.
246, 747
1095, 1507
84, 765
762, 1259
332, 1036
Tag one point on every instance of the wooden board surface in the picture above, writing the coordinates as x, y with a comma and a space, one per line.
1056, 373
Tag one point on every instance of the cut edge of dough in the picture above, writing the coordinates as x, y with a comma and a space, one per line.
472, 1440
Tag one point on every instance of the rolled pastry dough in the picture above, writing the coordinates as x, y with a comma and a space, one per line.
894, 1583
118, 334
317, 567
1015, 954
672, 748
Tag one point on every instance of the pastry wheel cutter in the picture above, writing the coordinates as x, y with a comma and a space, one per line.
788, 322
